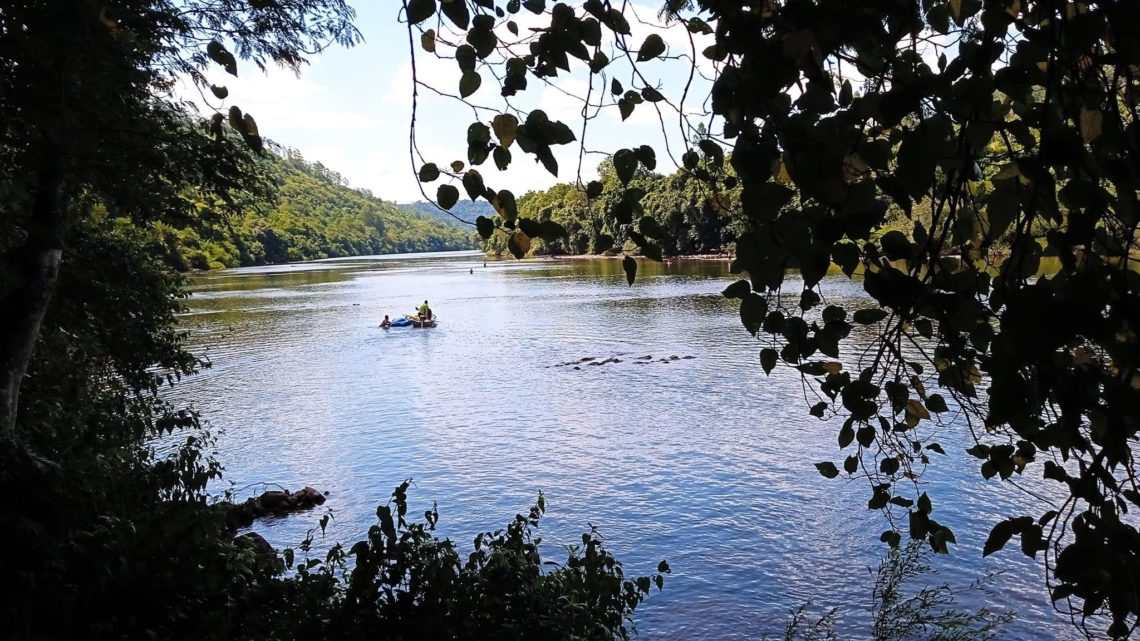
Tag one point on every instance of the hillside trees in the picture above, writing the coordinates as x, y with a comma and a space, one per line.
307, 212
88, 117
902, 142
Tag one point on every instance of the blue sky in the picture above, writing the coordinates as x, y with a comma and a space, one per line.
350, 109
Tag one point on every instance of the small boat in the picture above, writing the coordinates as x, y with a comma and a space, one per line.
415, 321
401, 322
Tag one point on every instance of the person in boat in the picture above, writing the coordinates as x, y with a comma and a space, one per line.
385, 323
424, 312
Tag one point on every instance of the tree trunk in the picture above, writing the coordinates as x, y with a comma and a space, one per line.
33, 277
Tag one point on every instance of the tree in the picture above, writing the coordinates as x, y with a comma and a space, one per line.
89, 117
938, 151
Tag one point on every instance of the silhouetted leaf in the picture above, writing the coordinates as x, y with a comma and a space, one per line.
446, 196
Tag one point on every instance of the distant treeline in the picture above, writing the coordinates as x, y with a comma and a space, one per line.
302, 210
691, 220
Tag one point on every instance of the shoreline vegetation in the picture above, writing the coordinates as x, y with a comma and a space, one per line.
298, 210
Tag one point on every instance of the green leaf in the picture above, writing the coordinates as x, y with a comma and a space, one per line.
485, 226
236, 120
603, 243
625, 164
482, 35
924, 505
552, 231
768, 358
827, 469
845, 94
465, 57
652, 47
753, 309
429, 172
502, 158
935, 403
999, 536
420, 10
518, 244
219, 54
713, 152
456, 12
896, 245
478, 134
629, 265
473, 184
446, 196
846, 436
530, 227
868, 316
505, 205
648, 226
469, 83
506, 129
646, 156
625, 107
617, 22
739, 289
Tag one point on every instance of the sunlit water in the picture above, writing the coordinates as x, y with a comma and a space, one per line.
703, 461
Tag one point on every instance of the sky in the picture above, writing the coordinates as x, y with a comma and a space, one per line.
350, 109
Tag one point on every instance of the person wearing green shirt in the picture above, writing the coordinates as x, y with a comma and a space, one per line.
425, 311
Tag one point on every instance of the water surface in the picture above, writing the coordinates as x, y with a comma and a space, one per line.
702, 460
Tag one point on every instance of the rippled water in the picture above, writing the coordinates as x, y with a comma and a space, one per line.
703, 461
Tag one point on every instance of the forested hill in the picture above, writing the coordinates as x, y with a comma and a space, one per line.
310, 212
466, 210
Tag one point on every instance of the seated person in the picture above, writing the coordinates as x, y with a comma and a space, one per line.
385, 323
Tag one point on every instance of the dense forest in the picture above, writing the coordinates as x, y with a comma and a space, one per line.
684, 216
464, 210
302, 210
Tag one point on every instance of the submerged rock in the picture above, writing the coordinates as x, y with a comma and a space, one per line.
255, 542
278, 503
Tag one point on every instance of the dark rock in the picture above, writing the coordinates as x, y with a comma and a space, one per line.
256, 542
647, 357
275, 501
687, 357
674, 358
306, 497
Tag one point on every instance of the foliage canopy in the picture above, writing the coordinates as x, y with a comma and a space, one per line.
1012, 125
110, 527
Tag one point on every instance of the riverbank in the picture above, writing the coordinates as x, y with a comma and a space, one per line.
666, 259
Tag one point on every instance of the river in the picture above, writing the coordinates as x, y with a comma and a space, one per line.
701, 460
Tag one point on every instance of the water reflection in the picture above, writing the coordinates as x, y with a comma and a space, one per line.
705, 461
